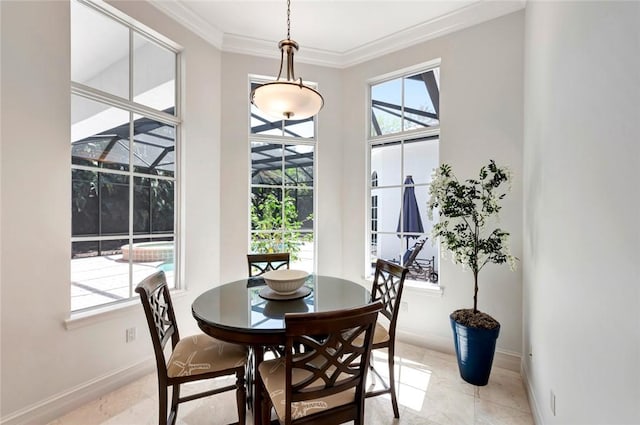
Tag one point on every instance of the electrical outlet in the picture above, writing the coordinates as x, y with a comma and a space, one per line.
552, 401
131, 334
404, 306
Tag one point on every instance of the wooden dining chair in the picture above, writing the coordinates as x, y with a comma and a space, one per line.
259, 264
193, 358
262, 263
325, 384
388, 283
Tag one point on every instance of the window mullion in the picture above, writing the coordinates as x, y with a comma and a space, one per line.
131, 159
122, 103
402, 173
119, 172
284, 186
131, 200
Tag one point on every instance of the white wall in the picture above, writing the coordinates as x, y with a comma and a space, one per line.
481, 119
44, 366
235, 166
581, 251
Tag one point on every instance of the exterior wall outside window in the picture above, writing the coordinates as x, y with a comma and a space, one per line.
374, 216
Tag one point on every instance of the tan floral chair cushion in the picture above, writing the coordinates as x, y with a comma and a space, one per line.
273, 377
380, 335
201, 353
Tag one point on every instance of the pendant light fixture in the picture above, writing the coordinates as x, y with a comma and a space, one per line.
290, 98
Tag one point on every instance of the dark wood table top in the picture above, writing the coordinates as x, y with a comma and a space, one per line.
236, 312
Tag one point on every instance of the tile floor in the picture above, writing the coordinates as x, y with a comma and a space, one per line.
430, 392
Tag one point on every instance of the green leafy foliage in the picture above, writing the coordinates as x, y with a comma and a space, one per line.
278, 226
465, 209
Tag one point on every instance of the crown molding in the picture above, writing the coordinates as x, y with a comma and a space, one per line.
190, 20
468, 16
465, 17
269, 49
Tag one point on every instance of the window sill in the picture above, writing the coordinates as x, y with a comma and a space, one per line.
427, 288
101, 314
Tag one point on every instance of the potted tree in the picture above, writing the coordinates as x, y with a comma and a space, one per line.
465, 210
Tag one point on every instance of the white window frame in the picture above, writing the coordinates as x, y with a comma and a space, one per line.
401, 137
84, 316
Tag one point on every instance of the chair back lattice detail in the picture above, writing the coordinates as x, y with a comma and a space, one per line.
259, 264
156, 301
336, 357
387, 287
328, 365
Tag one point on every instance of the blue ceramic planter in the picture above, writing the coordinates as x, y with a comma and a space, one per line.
474, 350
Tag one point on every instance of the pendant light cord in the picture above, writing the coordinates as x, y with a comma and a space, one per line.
290, 48
288, 19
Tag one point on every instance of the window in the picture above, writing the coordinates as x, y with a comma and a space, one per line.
403, 148
282, 186
124, 137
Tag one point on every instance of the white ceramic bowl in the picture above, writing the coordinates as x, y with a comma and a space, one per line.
285, 282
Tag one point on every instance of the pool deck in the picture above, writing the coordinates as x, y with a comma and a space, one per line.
96, 281
102, 280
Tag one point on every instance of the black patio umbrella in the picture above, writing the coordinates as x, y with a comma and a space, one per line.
409, 220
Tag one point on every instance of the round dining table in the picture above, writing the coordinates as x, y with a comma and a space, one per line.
238, 312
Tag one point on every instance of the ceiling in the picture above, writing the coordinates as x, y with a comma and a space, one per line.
336, 33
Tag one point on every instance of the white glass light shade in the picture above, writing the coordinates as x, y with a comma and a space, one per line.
287, 100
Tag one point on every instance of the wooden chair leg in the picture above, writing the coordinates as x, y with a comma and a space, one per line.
265, 408
241, 397
359, 420
162, 405
174, 404
392, 382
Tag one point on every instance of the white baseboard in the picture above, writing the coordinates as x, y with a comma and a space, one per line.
503, 359
533, 403
53, 407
